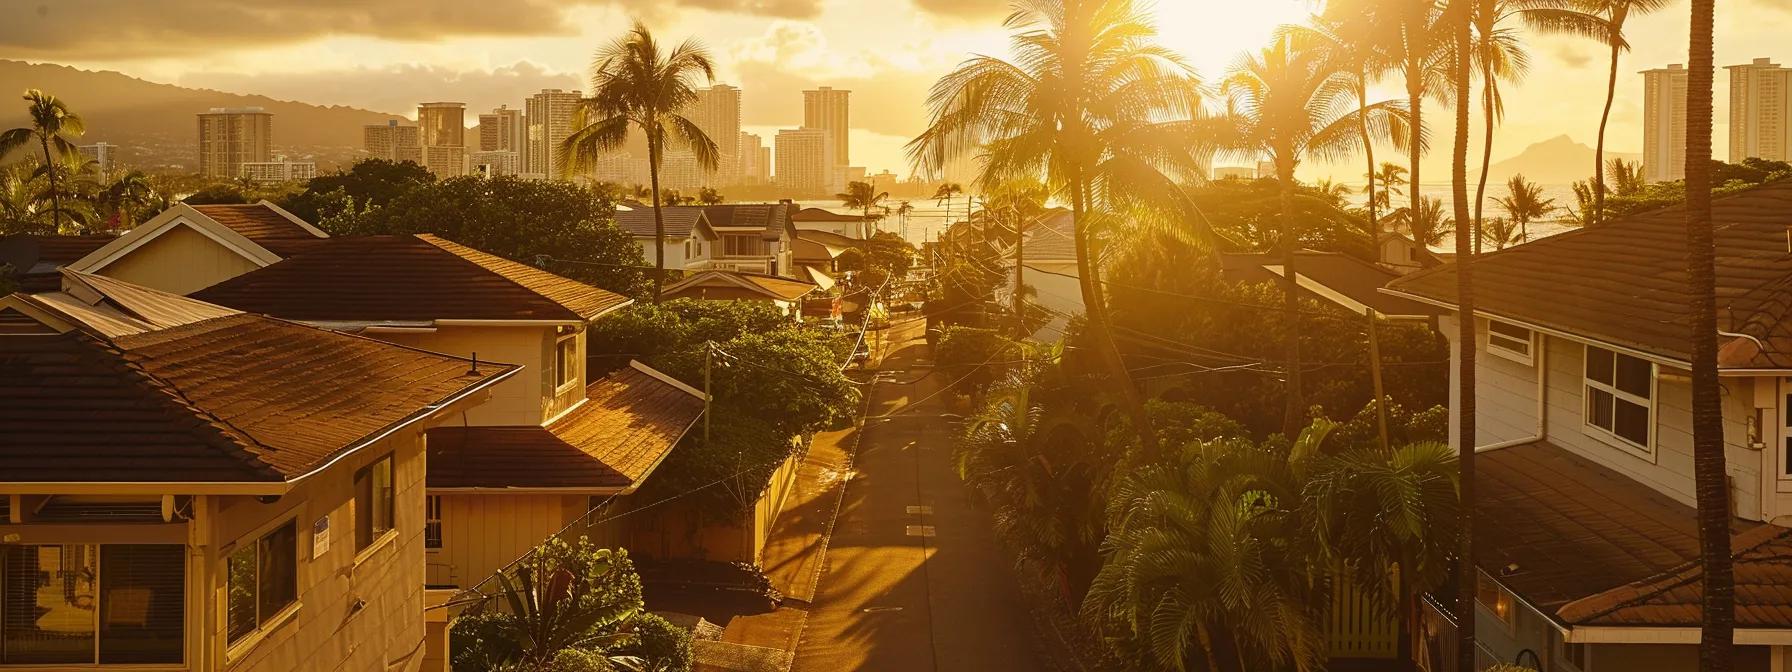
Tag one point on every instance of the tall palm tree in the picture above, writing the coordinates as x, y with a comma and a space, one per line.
1457, 19
54, 127
636, 85
1717, 629
945, 193
1392, 177
903, 209
864, 196
1093, 107
125, 198
1293, 104
1353, 44
1524, 203
1610, 31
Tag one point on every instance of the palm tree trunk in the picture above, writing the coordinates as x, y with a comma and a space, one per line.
1487, 92
1362, 98
1201, 633
1296, 409
1095, 311
1415, 100
1717, 627
1465, 346
1611, 90
659, 218
55, 195
1020, 257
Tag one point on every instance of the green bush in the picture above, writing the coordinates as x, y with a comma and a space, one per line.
480, 642
580, 660
664, 647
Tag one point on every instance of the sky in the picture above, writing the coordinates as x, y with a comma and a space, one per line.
387, 55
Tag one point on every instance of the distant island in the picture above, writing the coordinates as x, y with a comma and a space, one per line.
1556, 161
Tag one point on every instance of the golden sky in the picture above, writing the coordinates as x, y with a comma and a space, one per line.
388, 55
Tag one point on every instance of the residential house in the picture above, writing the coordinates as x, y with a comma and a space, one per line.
1048, 258
690, 240
1585, 531
821, 250
1330, 277
188, 487
853, 226
786, 294
549, 445
36, 261
190, 247
753, 237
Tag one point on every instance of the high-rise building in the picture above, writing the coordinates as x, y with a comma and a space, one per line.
805, 158
505, 130
278, 170
442, 130
1664, 123
549, 117
494, 163
232, 136
825, 108
679, 170
755, 160
1760, 106
102, 154
717, 112
392, 142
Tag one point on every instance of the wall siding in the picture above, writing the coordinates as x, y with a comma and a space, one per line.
482, 533
514, 401
181, 261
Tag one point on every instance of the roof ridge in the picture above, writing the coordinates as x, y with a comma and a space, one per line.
1684, 574
448, 246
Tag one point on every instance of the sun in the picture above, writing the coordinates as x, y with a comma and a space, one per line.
1212, 33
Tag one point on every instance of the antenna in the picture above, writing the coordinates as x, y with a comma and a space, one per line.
475, 370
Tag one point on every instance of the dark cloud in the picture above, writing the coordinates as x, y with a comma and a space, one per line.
966, 9
396, 89
111, 29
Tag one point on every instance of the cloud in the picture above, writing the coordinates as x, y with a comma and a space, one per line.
792, 56
110, 29
396, 89
965, 10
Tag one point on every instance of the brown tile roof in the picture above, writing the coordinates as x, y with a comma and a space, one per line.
627, 425
824, 215
241, 398
35, 259
1353, 278
1590, 546
407, 278
679, 221
255, 221
1051, 237
1625, 282
772, 218
829, 238
768, 286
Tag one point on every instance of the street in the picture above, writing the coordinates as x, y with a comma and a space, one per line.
913, 577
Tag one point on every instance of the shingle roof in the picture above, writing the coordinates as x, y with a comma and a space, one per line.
628, 423
1352, 278
1590, 546
829, 238
407, 278
36, 259
1625, 282
240, 398
255, 221
1051, 237
679, 221
772, 218
822, 215
770, 286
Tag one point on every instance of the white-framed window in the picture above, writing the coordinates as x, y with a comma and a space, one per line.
1620, 399
374, 502
263, 576
1510, 341
432, 522
566, 361
86, 604
1496, 600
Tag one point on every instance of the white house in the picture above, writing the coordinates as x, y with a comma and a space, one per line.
690, 240
1585, 533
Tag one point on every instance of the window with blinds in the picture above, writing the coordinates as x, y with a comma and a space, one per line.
263, 577
373, 502
87, 604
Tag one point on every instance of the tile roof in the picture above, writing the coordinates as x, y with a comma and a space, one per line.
407, 278
239, 398
1625, 282
1353, 278
1590, 546
36, 259
824, 215
1051, 237
769, 286
679, 221
255, 221
629, 422
773, 218
829, 238
108, 307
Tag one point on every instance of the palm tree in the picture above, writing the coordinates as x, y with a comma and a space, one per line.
125, 198
903, 209
1098, 111
1284, 102
1352, 44
1717, 629
19, 212
1428, 227
709, 196
1392, 177
1626, 177
1524, 203
54, 127
635, 85
1458, 22
945, 194
1500, 232
1610, 30
864, 196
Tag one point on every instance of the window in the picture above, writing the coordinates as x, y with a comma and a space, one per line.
566, 361
373, 502
86, 604
1510, 341
432, 521
1494, 599
263, 578
743, 245
1620, 391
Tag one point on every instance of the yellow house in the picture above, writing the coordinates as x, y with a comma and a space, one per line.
188, 487
550, 446
190, 247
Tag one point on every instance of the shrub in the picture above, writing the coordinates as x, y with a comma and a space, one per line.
662, 646
480, 642
580, 660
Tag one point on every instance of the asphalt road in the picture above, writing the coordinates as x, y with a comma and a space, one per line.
913, 577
